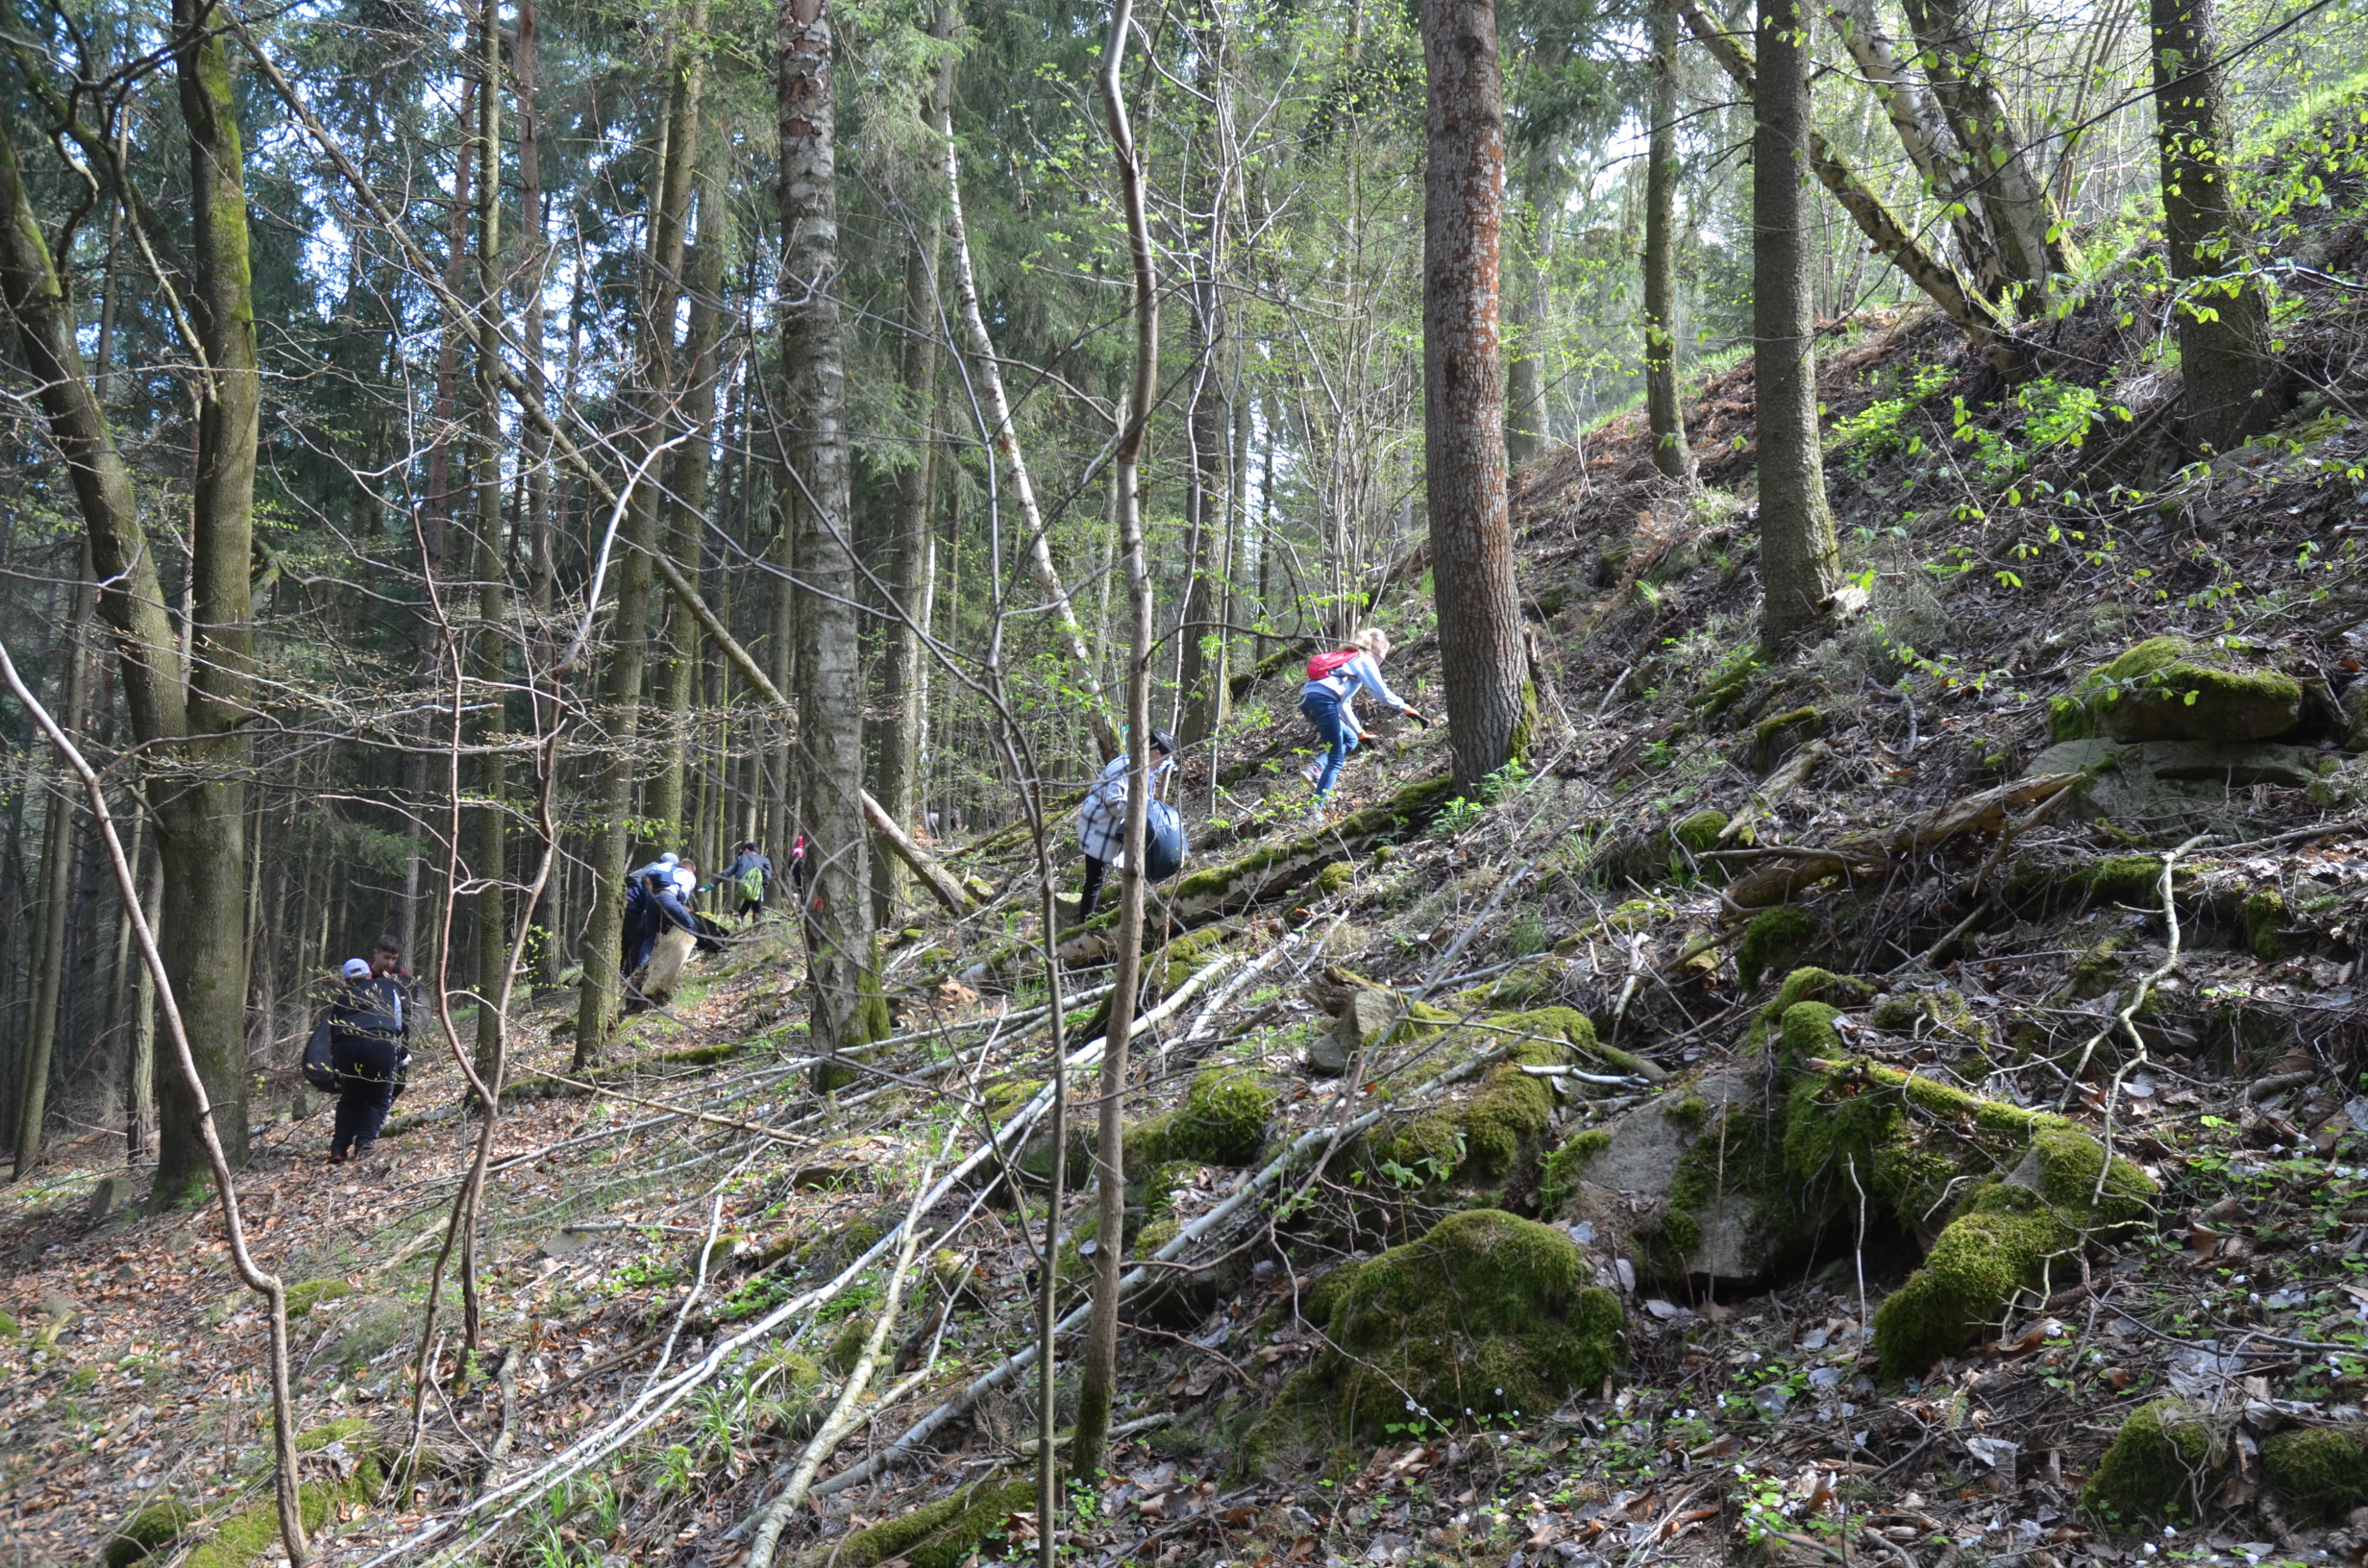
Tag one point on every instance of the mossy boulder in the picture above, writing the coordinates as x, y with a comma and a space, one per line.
2163, 1464
2015, 1194
1776, 938
2265, 925
1336, 877
1805, 985
2167, 690
1700, 831
148, 1531
1924, 1013
1223, 1120
945, 1533
1773, 738
1482, 1132
1487, 1316
2321, 1472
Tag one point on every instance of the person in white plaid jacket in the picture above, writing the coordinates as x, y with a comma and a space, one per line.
1102, 819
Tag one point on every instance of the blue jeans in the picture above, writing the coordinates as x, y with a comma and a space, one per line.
1339, 734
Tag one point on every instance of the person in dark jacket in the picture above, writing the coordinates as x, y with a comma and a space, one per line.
652, 904
366, 1028
751, 858
1101, 821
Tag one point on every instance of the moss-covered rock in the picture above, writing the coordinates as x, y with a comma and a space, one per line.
940, 1534
1223, 1120
1486, 1315
1805, 985
2265, 923
1774, 737
2166, 690
1335, 876
1700, 831
1479, 1135
2321, 1472
146, 1532
2163, 1464
1926, 1013
2012, 1192
302, 1297
1776, 938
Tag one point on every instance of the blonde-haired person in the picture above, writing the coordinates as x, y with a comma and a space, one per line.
1328, 701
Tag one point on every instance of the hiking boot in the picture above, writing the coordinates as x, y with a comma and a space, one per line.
1313, 772
335, 1158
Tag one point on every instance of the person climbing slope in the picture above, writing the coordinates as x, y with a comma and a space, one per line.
366, 1026
1101, 818
749, 875
1328, 701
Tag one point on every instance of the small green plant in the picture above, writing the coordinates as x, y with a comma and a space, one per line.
1879, 429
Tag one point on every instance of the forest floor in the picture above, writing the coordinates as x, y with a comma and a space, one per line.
1760, 1018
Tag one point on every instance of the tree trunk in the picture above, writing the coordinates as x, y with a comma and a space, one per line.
40, 1031
687, 486
1799, 560
1918, 123
533, 445
1988, 332
2031, 247
1492, 706
1005, 434
1671, 453
2221, 316
842, 961
1098, 1375
914, 545
612, 839
436, 509
492, 954
140, 1090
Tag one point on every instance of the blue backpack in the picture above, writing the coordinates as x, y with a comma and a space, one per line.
1163, 842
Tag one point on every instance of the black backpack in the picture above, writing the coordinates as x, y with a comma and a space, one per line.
319, 1070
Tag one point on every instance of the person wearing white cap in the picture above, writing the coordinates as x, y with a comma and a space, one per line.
365, 1028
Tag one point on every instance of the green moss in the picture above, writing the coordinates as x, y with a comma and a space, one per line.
303, 1298
2323, 1473
2161, 689
151, 1530
1278, 867
1485, 1134
1335, 876
1324, 1297
1921, 1013
247, 1535
1912, 1143
1560, 1172
332, 1431
1008, 1098
82, 1378
1980, 1263
1160, 1182
1223, 1120
1700, 831
1567, 1027
9, 1328
2123, 879
2264, 919
2162, 1462
1487, 1313
940, 1534
1772, 737
1807, 1032
846, 1346
2096, 970
1776, 938
1806, 985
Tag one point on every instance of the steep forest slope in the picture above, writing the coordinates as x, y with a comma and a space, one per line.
1900, 1102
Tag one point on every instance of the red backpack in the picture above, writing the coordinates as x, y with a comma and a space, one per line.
1324, 666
